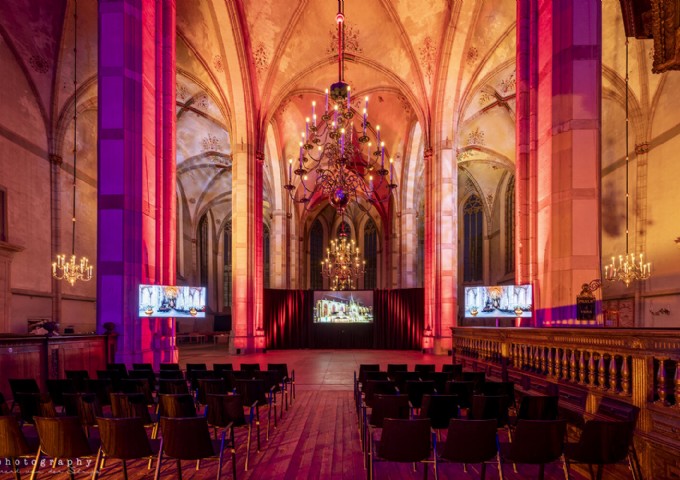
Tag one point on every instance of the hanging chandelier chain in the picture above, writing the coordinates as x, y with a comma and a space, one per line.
628, 267
72, 270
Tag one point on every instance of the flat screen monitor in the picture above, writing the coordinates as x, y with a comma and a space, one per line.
353, 306
171, 301
498, 301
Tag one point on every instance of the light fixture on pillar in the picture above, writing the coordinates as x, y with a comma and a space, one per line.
335, 160
343, 265
627, 267
72, 269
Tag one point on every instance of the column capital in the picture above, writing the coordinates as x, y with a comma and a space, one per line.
259, 156
56, 159
427, 154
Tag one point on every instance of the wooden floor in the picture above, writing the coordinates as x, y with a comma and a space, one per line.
318, 437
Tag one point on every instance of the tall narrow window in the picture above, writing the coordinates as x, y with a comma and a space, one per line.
371, 255
203, 253
227, 265
266, 255
4, 236
472, 244
510, 227
315, 256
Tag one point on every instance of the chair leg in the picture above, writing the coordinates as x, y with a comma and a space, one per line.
500, 466
219, 465
17, 474
95, 470
565, 466
179, 469
157, 474
631, 465
250, 429
125, 476
35, 465
541, 472
483, 472
599, 472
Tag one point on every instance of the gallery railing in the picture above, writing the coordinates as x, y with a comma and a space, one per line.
596, 372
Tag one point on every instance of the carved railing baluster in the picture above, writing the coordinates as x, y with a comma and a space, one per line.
572, 366
625, 377
565, 364
541, 360
661, 381
582, 368
601, 373
613, 374
676, 384
591, 369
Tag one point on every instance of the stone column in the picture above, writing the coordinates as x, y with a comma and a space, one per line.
409, 248
56, 162
559, 61
441, 246
278, 246
246, 247
136, 178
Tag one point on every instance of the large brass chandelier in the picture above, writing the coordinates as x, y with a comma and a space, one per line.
73, 269
337, 159
343, 265
627, 267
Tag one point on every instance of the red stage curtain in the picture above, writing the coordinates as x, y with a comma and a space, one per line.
287, 318
399, 318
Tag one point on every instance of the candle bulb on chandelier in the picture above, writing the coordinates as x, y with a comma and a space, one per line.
306, 128
348, 102
301, 149
370, 184
342, 141
290, 170
364, 124
314, 111
382, 155
377, 132
326, 100
391, 169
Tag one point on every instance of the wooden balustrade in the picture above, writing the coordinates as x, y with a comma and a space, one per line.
597, 372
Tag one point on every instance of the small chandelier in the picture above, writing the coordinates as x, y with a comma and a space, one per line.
73, 269
627, 267
343, 265
342, 160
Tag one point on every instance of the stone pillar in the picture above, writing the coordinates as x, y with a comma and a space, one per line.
56, 162
279, 247
246, 247
441, 245
136, 178
559, 61
409, 248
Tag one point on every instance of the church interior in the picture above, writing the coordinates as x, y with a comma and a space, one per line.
473, 183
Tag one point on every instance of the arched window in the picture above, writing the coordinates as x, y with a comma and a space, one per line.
315, 256
203, 253
227, 265
472, 243
510, 227
371, 255
266, 255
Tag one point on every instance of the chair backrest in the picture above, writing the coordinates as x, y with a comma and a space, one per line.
223, 367
485, 407
424, 368
170, 375
173, 387
137, 385
25, 385
393, 445
186, 438
440, 409
34, 404
376, 375
538, 407
57, 388
177, 406
400, 377
250, 367
101, 387
605, 441
367, 367
396, 367
170, 366
251, 391
196, 366
118, 367
194, 376
62, 437
130, 405
124, 438
280, 367
147, 375
378, 387
463, 390
85, 406
416, 390
12, 440
207, 386
499, 388
142, 366
225, 409
470, 441
389, 406
538, 441
478, 378
439, 379
456, 369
